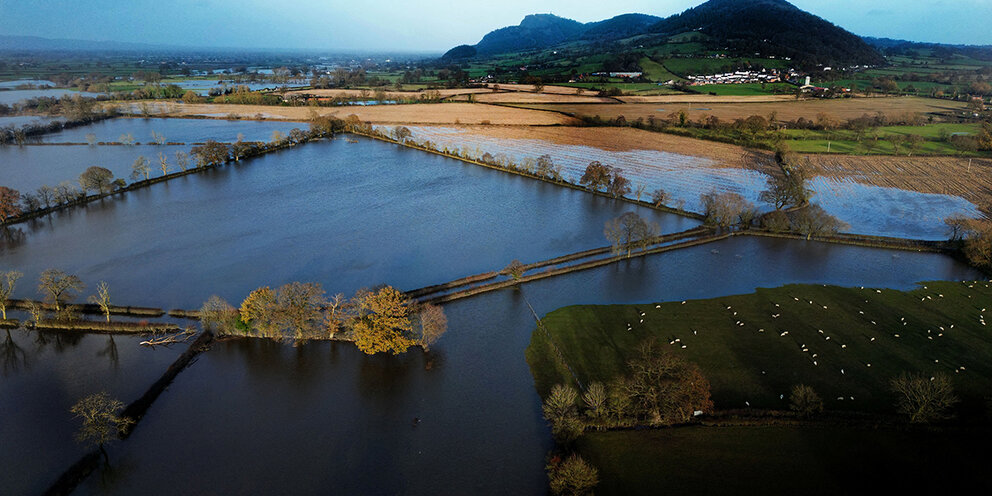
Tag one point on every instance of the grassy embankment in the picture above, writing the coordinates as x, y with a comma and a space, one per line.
755, 362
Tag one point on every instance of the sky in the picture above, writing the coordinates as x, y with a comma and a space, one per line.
426, 25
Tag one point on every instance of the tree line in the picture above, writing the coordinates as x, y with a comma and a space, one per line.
380, 320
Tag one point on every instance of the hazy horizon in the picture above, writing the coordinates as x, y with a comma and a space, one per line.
427, 26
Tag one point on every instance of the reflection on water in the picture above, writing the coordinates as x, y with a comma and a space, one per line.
326, 409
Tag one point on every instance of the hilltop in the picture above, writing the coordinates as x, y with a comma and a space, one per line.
766, 28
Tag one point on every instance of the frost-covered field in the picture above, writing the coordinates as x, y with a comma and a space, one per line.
868, 209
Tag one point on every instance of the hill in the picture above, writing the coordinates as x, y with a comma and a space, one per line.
744, 28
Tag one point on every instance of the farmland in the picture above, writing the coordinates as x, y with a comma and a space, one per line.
784, 110
847, 343
421, 113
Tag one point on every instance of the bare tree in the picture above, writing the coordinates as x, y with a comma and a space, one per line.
102, 422
7, 282
433, 324
924, 399
102, 299
163, 163
572, 476
59, 286
659, 197
629, 230
140, 168
182, 160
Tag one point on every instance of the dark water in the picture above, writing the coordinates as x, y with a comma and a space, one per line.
344, 215
265, 418
26, 168
175, 130
41, 377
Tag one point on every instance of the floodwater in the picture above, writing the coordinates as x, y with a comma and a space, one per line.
10, 97
22, 120
254, 417
174, 130
329, 419
41, 376
346, 215
26, 168
867, 209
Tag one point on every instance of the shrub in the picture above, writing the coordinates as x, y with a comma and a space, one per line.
804, 401
924, 399
572, 476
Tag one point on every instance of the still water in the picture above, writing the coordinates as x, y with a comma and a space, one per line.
252, 417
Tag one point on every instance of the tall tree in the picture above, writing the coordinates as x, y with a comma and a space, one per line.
10, 203
665, 388
97, 179
7, 282
140, 168
629, 230
924, 399
102, 298
59, 287
383, 324
596, 176
433, 324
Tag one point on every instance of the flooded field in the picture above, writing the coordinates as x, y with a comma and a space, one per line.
868, 209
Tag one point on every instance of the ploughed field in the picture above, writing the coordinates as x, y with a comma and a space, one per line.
847, 343
418, 113
785, 110
687, 168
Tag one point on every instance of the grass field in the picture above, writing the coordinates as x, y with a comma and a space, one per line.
745, 89
753, 348
787, 461
655, 71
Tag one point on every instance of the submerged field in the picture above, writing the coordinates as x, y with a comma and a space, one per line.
847, 343
687, 168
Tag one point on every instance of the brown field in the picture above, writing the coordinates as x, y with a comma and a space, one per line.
420, 113
787, 110
340, 93
618, 139
556, 90
528, 97
706, 98
937, 175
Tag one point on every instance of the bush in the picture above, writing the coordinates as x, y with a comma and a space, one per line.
804, 401
572, 476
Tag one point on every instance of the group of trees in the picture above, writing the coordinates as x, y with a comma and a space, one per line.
598, 176
59, 289
657, 388
380, 320
630, 231
974, 237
